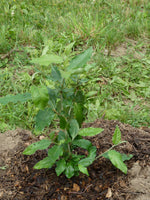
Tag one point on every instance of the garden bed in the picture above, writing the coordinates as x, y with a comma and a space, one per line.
19, 181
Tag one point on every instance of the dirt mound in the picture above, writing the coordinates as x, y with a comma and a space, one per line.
19, 181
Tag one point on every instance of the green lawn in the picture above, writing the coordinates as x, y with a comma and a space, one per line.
118, 85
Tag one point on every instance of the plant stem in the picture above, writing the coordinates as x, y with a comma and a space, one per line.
109, 149
66, 135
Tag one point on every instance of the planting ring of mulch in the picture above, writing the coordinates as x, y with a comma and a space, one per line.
19, 181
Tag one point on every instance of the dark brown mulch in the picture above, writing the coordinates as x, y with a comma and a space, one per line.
21, 182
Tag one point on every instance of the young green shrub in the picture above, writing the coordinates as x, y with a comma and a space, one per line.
65, 102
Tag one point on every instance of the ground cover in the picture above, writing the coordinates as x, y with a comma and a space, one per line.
19, 180
118, 31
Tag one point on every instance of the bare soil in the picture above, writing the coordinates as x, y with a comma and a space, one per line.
19, 181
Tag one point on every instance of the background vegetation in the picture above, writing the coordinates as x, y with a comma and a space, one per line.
118, 85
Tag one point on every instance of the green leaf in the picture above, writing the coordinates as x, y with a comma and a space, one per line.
91, 93
52, 97
69, 172
86, 161
55, 74
126, 157
90, 159
15, 98
53, 155
92, 152
116, 159
78, 112
45, 163
80, 60
116, 139
55, 152
65, 74
52, 135
105, 155
40, 96
79, 97
40, 145
61, 136
83, 169
61, 166
43, 119
74, 128
90, 131
47, 59
76, 157
63, 122
85, 144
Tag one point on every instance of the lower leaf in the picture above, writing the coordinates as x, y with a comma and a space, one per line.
116, 159
83, 169
40, 145
53, 155
69, 172
61, 166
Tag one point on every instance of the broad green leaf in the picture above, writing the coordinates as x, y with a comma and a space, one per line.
79, 97
85, 144
43, 119
45, 163
55, 74
90, 131
78, 112
76, 157
55, 152
53, 155
86, 161
126, 157
63, 122
80, 60
90, 159
74, 128
52, 97
60, 166
15, 98
83, 169
40, 145
47, 59
116, 139
116, 159
61, 136
69, 172
92, 151
40, 96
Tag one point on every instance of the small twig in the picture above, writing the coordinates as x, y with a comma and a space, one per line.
110, 149
82, 191
9, 53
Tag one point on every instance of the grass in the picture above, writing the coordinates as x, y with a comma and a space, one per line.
117, 30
